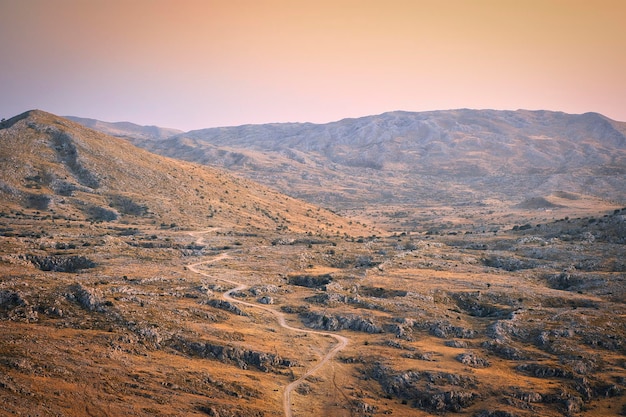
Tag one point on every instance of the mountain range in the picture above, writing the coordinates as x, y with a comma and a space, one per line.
456, 157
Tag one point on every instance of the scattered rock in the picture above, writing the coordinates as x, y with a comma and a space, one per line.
266, 299
89, 299
528, 397
460, 344
502, 330
504, 349
224, 305
430, 391
216, 410
573, 405
544, 371
472, 304
422, 356
401, 330
241, 357
496, 413
61, 263
509, 264
473, 360
10, 299
445, 330
14, 307
265, 289
304, 389
363, 408
311, 281
379, 292
322, 321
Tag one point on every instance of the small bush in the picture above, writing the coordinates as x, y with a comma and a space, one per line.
37, 201
125, 205
310, 281
65, 189
96, 213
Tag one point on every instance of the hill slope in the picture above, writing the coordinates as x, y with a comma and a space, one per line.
55, 165
451, 157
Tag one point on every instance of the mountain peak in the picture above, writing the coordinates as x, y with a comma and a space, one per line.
6, 123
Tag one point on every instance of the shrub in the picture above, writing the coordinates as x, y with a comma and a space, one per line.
65, 189
37, 201
125, 205
97, 213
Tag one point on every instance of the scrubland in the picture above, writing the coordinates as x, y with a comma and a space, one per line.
524, 322
132, 284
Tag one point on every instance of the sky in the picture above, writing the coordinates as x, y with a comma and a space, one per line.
192, 64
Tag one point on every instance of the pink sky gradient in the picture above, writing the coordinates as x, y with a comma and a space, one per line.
192, 64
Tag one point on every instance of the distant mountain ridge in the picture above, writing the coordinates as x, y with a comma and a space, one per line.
451, 156
126, 129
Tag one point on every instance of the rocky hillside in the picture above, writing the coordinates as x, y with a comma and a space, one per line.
457, 157
56, 166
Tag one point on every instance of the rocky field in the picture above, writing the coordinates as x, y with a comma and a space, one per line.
105, 319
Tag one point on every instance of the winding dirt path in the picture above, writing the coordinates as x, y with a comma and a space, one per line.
342, 342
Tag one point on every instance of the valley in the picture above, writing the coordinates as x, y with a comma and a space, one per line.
133, 284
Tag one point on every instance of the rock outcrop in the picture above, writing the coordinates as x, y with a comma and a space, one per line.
61, 263
356, 323
243, 358
430, 391
225, 305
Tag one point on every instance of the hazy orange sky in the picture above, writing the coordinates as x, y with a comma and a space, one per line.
191, 64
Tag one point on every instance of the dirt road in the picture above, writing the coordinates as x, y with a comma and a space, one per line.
342, 342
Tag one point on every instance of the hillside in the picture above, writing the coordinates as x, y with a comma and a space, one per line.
57, 166
478, 159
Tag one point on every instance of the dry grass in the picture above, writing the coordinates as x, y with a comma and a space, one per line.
138, 334
122, 358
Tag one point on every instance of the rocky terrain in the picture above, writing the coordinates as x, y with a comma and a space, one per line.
133, 284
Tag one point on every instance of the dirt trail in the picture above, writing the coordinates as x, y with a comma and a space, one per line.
342, 342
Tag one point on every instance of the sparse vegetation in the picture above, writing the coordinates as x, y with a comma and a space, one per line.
126, 205
106, 315
37, 201
99, 214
